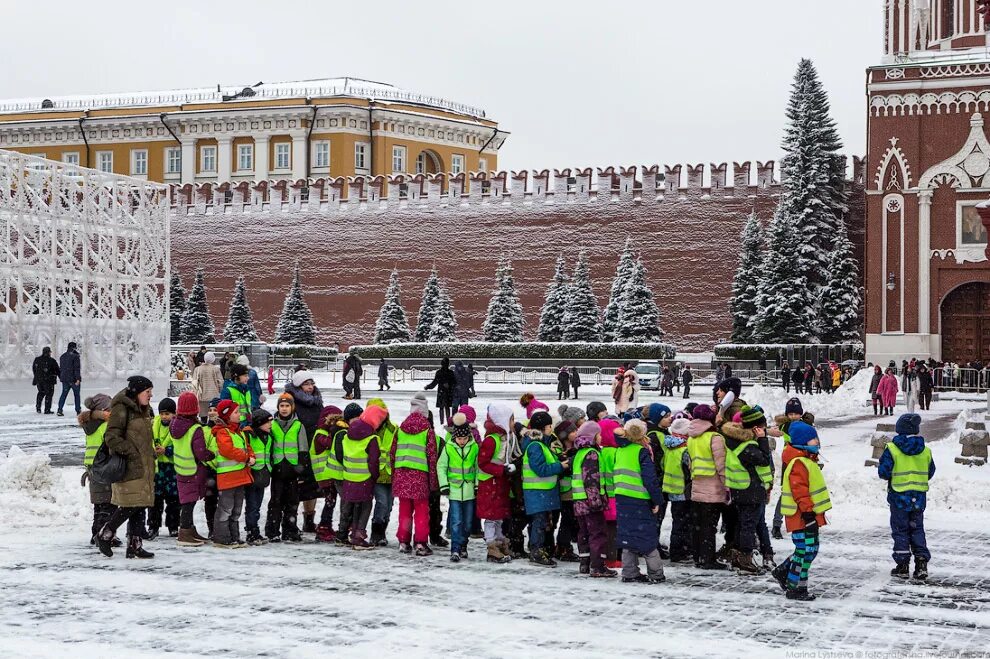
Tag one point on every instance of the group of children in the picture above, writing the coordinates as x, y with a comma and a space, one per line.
588, 478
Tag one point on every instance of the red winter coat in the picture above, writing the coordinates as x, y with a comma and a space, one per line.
412, 483
493, 494
887, 390
799, 489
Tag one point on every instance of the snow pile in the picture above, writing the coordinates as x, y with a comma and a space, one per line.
33, 494
850, 399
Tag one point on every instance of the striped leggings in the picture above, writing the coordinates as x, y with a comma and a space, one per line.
805, 550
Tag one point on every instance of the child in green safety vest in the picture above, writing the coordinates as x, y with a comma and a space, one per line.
676, 486
288, 442
237, 390
93, 421
235, 457
540, 484
637, 500
805, 500
259, 434
793, 411
166, 488
457, 473
907, 466
327, 472
358, 452
590, 500
380, 518
562, 446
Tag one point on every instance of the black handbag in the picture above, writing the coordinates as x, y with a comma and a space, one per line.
107, 467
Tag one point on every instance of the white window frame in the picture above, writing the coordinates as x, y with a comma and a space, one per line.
208, 152
242, 151
139, 162
100, 156
321, 147
169, 161
71, 158
399, 153
361, 156
283, 150
456, 163
483, 165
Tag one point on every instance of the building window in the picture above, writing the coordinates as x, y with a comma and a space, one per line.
245, 157
71, 158
482, 165
173, 160
104, 161
139, 162
398, 159
282, 159
208, 159
456, 164
360, 155
948, 18
321, 154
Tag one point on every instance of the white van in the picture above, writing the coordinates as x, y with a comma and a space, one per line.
649, 374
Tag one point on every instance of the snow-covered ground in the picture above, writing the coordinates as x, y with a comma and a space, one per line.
59, 596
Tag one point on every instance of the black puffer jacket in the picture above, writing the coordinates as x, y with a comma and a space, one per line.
751, 457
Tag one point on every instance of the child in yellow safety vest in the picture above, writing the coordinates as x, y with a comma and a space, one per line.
93, 421
358, 453
386, 432
676, 486
590, 500
326, 470
541, 490
637, 500
457, 473
166, 488
562, 446
259, 434
234, 462
414, 454
289, 441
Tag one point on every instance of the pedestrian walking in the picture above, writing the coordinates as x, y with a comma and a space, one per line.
45, 372
70, 372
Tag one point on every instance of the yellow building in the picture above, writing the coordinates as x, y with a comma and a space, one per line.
286, 130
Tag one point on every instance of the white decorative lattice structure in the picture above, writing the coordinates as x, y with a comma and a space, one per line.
86, 259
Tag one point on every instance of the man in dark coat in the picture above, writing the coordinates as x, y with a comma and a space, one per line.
353, 365
575, 381
444, 382
45, 370
383, 376
687, 377
462, 386
70, 371
785, 377
563, 383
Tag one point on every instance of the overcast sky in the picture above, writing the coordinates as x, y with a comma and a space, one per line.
614, 82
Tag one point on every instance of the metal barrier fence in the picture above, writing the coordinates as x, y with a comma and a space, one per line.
961, 379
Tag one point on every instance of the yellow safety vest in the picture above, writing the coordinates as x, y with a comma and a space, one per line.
910, 471
356, 468
162, 438
820, 500
182, 453
226, 465
530, 479
93, 443
700, 450
496, 457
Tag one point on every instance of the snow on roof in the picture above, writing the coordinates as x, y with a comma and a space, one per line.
319, 88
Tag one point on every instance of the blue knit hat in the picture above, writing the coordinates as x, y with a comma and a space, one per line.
908, 424
658, 412
801, 433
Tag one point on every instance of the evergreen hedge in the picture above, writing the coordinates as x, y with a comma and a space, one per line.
532, 350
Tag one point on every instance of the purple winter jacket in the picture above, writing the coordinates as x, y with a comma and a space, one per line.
592, 476
365, 490
192, 488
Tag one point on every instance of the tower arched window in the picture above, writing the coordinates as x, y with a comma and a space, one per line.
948, 18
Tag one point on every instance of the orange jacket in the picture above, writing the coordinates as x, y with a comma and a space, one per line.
226, 448
799, 489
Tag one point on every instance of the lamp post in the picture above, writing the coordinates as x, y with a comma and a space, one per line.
891, 281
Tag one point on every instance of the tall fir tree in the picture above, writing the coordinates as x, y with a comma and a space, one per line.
747, 281
812, 174
444, 328
504, 321
427, 307
240, 324
639, 316
622, 273
295, 324
582, 320
196, 325
392, 325
840, 300
176, 306
784, 309
555, 306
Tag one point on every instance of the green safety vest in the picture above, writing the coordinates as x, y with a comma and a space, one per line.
910, 471
262, 449
736, 475
243, 400
356, 468
182, 452
496, 457
225, 465
93, 443
628, 479
410, 451
162, 438
285, 445
462, 471
606, 463
700, 450
319, 459
530, 481
386, 437
578, 493
820, 500
673, 474
211, 446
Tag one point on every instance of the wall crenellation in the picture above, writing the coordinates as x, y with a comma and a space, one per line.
632, 184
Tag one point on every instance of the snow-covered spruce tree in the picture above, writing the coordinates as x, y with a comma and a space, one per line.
639, 316
622, 272
552, 314
444, 328
840, 299
196, 325
295, 325
240, 324
504, 321
427, 307
784, 308
582, 320
176, 305
392, 325
812, 173
747, 281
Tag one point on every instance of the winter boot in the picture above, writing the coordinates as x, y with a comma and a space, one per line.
341, 537
423, 549
776, 533
639, 578
463, 553
187, 539
309, 523
565, 554
292, 536
800, 594
439, 541
540, 557
173, 533
744, 563
104, 540
361, 544
585, 566
455, 558
603, 573
235, 534
405, 548
135, 550
496, 555
324, 534
199, 537
664, 551
768, 563
780, 574
901, 570
920, 569
378, 535
152, 533
714, 565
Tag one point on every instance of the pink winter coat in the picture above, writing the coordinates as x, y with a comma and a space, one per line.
412, 483
710, 489
887, 390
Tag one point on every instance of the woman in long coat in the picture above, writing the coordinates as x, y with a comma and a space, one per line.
129, 435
